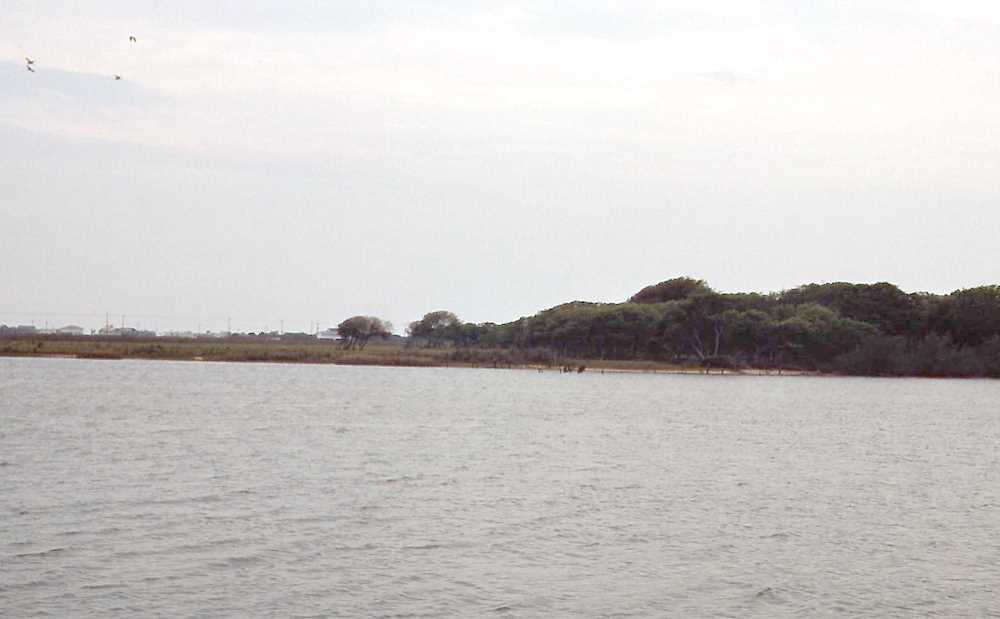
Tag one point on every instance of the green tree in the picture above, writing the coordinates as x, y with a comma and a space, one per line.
970, 316
695, 326
357, 330
676, 289
883, 305
436, 327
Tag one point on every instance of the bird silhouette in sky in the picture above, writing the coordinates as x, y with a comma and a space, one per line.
29, 60
117, 77
132, 38
29, 68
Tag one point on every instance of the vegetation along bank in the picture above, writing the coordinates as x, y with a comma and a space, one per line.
680, 324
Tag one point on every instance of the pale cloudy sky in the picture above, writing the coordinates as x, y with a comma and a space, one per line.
308, 163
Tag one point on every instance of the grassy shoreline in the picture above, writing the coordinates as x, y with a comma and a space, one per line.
239, 350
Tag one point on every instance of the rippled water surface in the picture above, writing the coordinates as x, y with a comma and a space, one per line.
209, 489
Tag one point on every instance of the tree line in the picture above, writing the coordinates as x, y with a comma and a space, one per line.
864, 329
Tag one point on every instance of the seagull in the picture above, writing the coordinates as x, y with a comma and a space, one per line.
117, 77
29, 60
131, 38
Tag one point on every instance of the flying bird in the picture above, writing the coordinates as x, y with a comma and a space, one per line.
29, 68
117, 77
29, 60
131, 38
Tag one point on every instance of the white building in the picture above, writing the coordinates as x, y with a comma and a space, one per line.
329, 334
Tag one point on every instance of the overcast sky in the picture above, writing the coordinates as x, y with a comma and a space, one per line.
306, 164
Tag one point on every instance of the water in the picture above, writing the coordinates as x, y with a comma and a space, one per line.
204, 489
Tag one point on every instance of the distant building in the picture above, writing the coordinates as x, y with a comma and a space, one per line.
18, 330
329, 334
70, 330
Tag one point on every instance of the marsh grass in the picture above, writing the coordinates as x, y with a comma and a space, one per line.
272, 351
231, 349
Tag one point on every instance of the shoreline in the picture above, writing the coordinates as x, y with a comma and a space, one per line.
327, 354
592, 366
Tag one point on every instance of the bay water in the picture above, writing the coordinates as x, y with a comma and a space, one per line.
156, 488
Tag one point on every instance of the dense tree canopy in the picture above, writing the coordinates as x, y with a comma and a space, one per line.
843, 327
970, 316
674, 289
883, 305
